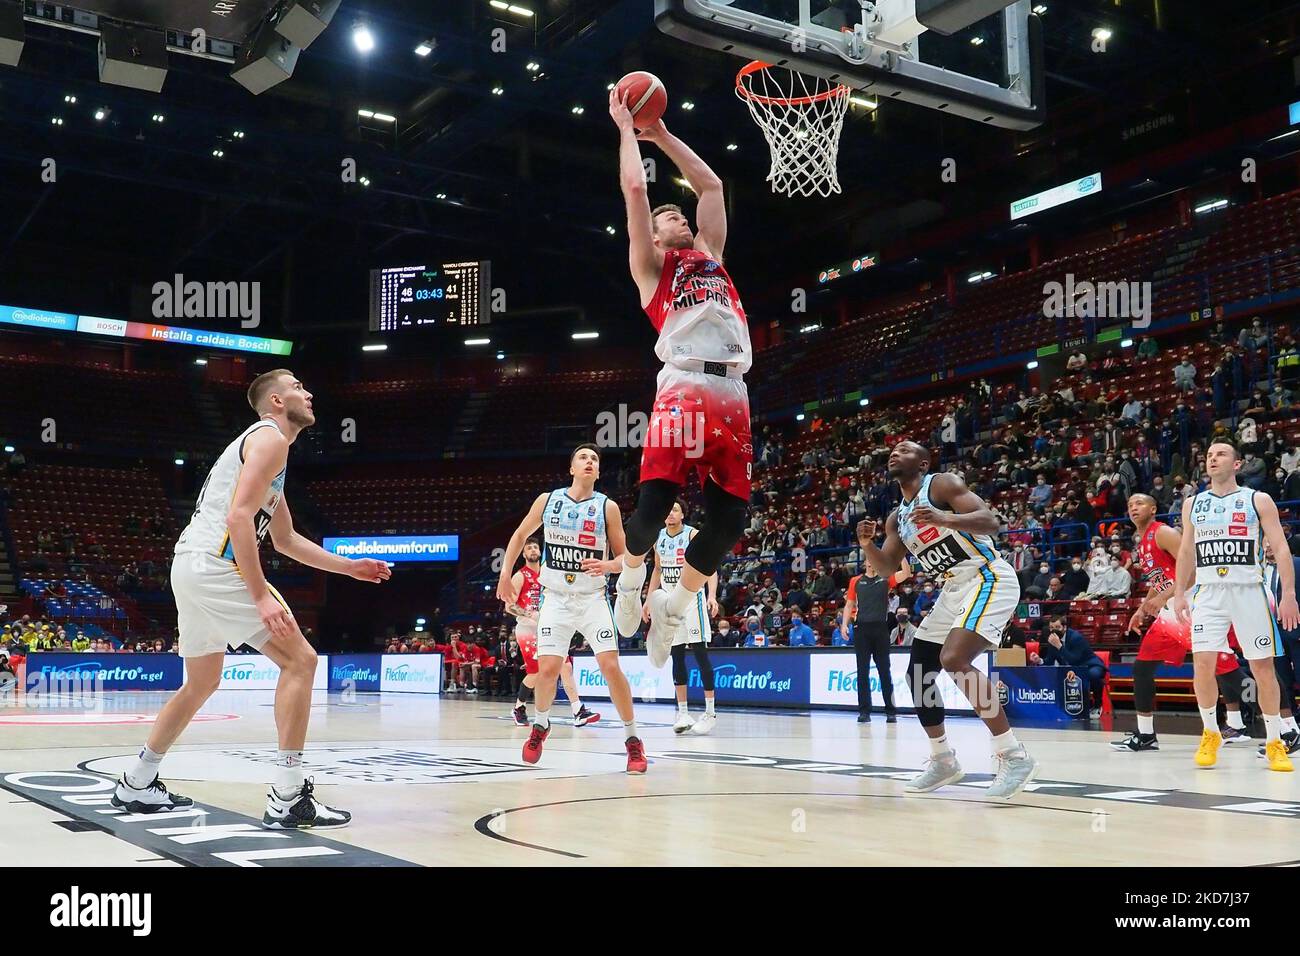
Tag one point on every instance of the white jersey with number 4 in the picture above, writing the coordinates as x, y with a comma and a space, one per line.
206, 533
1228, 537
670, 554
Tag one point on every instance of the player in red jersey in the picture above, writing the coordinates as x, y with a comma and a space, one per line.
700, 419
1167, 640
527, 582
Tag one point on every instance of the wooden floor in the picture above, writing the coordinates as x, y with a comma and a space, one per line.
439, 781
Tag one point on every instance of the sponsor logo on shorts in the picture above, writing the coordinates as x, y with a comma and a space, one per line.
1264, 641
604, 634
1198, 628
1221, 572
545, 632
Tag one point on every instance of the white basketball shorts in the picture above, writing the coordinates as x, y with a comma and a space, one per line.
564, 614
982, 603
213, 606
1247, 608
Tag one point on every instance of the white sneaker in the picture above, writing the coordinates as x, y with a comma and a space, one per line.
471, 690
627, 611
149, 799
301, 811
684, 722
664, 628
704, 724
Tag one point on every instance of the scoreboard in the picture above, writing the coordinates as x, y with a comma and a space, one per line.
414, 297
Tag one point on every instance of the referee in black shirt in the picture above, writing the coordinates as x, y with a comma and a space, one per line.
866, 607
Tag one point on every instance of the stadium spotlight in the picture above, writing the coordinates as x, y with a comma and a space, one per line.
376, 347
420, 620
9, 449
424, 49
362, 38
799, 417
200, 361
1032, 365
180, 461
1126, 343
1211, 206
864, 401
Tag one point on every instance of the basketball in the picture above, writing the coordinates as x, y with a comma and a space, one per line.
646, 97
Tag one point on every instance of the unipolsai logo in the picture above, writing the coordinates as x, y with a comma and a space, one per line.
1073, 694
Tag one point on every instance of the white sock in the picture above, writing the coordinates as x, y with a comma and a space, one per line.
289, 775
939, 745
1272, 727
682, 707
1235, 721
679, 599
1290, 724
1209, 720
576, 706
542, 718
629, 729
145, 770
1004, 742
708, 706
630, 580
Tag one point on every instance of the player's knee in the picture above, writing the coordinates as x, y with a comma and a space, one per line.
723, 526
953, 660
653, 503
608, 664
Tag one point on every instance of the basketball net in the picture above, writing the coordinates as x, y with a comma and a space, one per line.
801, 117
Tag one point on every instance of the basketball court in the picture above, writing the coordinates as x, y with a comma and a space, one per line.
440, 782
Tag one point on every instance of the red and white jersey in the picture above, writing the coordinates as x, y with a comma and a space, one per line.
697, 312
531, 592
1158, 565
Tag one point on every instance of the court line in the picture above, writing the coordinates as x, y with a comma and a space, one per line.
482, 824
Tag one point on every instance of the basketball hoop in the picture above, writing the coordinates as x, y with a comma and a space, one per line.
802, 117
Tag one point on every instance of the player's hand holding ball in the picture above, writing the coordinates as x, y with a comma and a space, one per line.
368, 569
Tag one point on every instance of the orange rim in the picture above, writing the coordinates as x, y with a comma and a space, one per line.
745, 93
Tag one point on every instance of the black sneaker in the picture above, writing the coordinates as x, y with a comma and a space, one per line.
1136, 741
521, 716
301, 811
1290, 738
151, 799
891, 718
585, 717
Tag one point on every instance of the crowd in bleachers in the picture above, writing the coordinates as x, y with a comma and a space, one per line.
25, 633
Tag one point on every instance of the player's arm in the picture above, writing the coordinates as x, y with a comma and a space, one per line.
711, 209
904, 572
305, 551
516, 610
644, 259
506, 591
265, 453
1288, 613
846, 618
969, 512
1185, 572
889, 557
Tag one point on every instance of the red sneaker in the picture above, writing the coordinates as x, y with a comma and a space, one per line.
585, 717
533, 746
636, 762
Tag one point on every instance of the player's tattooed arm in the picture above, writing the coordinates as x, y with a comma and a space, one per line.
969, 512
516, 610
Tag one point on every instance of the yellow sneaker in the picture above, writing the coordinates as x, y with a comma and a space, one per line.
1275, 751
1208, 752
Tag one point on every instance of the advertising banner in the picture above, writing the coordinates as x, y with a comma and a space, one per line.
51, 669
411, 673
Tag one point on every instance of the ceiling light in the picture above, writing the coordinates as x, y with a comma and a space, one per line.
799, 417
1211, 205
732, 147
976, 41
238, 134
200, 361
1126, 343
441, 196
1031, 365
688, 105
500, 356
56, 121
385, 118
521, 11
179, 461
218, 153
423, 49
610, 86
1102, 33
158, 117
864, 401
100, 114
366, 114
532, 66
362, 38
497, 91
611, 230
1040, 8
70, 99
578, 110
586, 335
377, 347
478, 341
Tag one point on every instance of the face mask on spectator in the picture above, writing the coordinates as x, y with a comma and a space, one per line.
1043, 569
1077, 566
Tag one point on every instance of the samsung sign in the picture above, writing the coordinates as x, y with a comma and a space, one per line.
1056, 196
406, 547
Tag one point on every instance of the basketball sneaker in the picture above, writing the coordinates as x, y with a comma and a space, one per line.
533, 745
147, 799
585, 717
704, 724
636, 762
627, 611
1208, 752
1290, 738
1231, 735
301, 811
520, 715
1275, 751
1136, 742
939, 771
663, 629
683, 722
1015, 769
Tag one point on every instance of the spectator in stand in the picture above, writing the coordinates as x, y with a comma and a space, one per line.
1064, 646
904, 631
755, 636
1254, 336
1074, 582
800, 634
925, 600
1162, 493
1185, 376
1253, 471
1147, 349
1040, 496
1038, 585
1077, 362
1219, 335
823, 587
797, 596
1131, 412
1054, 591
1081, 449
723, 635
1113, 582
